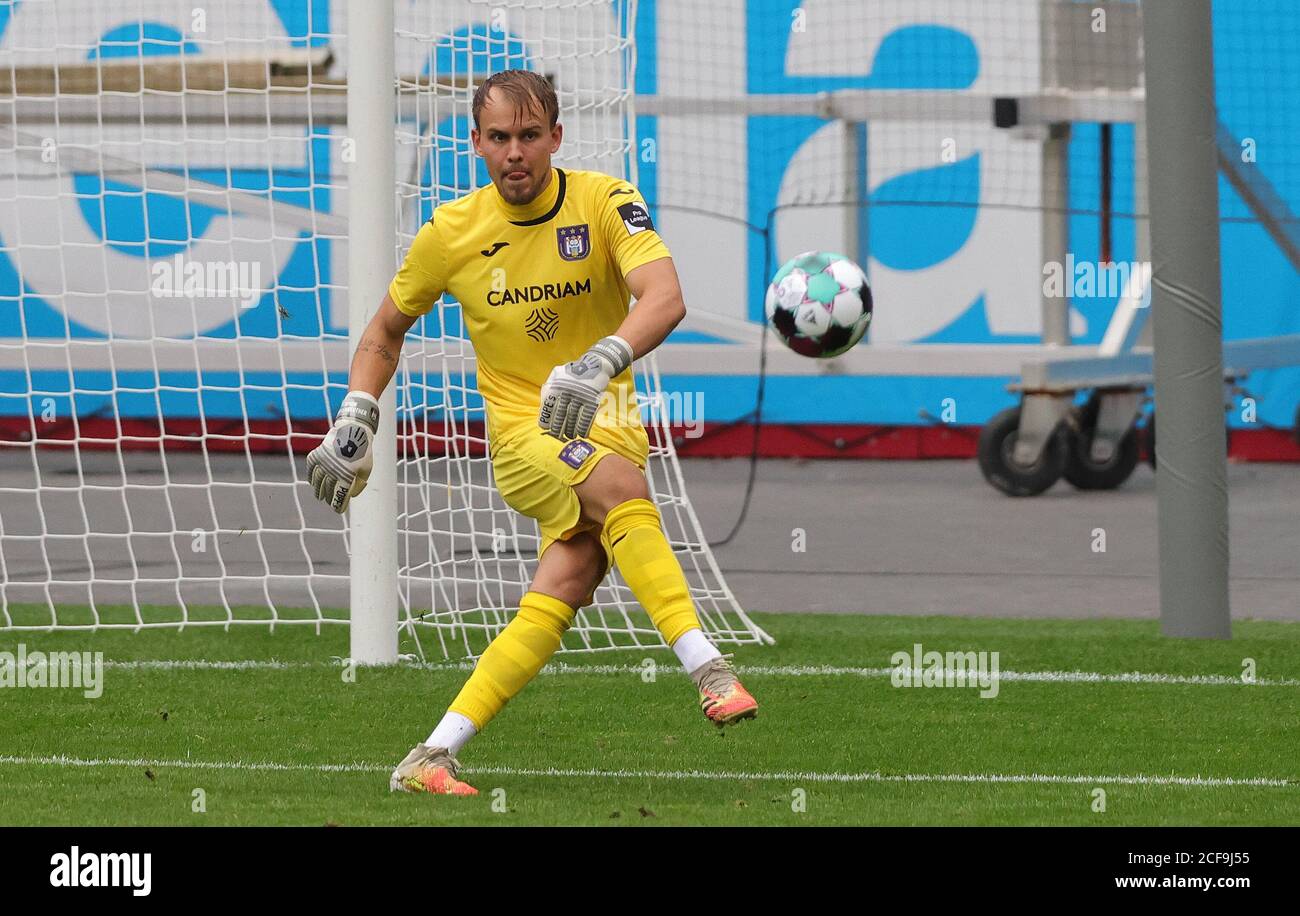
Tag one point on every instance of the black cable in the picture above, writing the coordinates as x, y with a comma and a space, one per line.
758, 398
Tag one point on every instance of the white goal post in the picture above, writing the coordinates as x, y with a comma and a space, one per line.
372, 227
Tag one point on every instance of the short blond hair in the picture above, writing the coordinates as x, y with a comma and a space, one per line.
526, 90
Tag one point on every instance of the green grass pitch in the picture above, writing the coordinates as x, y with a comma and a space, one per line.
300, 744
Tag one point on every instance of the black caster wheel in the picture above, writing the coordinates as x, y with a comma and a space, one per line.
1081, 469
999, 467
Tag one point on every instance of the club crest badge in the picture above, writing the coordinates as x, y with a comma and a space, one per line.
576, 452
574, 242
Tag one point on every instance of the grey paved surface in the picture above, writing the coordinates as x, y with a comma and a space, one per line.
933, 538
881, 537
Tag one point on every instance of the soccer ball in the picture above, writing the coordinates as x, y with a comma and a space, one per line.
819, 303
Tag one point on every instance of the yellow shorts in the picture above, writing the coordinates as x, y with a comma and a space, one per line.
536, 473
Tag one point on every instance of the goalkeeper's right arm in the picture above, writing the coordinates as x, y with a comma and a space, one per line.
339, 467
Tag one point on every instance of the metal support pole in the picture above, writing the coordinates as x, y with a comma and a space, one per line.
1142, 207
855, 192
1192, 481
1056, 228
1054, 171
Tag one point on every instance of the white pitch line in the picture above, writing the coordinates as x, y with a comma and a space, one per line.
559, 668
1200, 782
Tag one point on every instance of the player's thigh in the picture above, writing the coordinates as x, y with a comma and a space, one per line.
570, 570
534, 484
613, 481
545, 479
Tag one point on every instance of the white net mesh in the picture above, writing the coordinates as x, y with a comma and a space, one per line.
173, 309
877, 139
167, 230
174, 315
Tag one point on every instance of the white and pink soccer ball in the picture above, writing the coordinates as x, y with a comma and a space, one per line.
819, 304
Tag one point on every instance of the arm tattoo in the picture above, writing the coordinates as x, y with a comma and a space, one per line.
369, 345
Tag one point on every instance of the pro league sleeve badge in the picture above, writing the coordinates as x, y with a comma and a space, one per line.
635, 217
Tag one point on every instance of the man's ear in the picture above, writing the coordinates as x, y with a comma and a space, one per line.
474, 136
557, 134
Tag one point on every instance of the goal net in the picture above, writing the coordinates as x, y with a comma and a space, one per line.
174, 316
174, 311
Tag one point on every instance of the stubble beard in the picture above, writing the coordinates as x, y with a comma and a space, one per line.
518, 194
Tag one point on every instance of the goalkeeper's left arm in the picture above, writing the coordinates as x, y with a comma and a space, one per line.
572, 392
339, 467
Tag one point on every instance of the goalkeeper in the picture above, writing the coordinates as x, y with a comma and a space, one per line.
542, 262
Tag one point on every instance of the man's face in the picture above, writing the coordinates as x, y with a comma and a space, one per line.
517, 145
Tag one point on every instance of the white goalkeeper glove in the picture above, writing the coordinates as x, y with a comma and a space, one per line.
339, 467
572, 391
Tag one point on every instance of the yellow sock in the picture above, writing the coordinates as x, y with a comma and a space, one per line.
647, 563
514, 657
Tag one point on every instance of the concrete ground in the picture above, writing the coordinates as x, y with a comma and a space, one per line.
877, 537
895, 537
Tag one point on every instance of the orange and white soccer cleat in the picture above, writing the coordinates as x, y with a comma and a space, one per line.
429, 769
723, 698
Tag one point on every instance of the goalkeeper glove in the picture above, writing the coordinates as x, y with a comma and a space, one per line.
339, 467
572, 391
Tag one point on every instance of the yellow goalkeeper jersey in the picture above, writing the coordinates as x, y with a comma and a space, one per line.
538, 284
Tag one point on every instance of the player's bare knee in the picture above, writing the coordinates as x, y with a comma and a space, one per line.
571, 589
613, 482
570, 570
